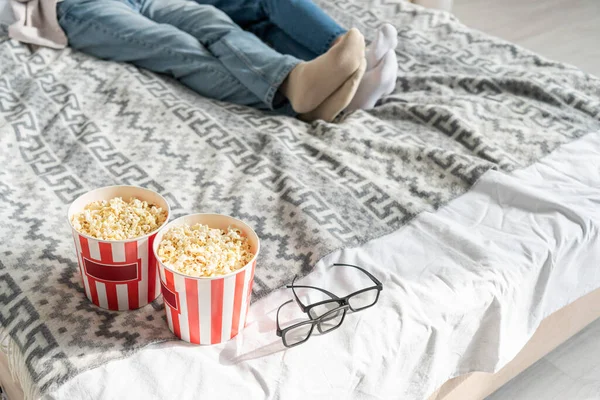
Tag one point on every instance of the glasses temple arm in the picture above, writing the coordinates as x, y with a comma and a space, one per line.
300, 303
277, 317
292, 286
363, 270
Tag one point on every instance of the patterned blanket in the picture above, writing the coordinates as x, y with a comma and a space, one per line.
464, 103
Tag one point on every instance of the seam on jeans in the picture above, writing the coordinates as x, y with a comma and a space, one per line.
270, 96
273, 86
129, 40
332, 37
283, 74
270, 93
144, 44
246, 61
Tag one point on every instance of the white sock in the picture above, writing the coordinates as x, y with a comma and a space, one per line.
386, 40
376, 83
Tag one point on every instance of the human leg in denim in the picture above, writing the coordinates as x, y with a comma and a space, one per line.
300, 28
115, 30
253, 62
296, 27
260, 68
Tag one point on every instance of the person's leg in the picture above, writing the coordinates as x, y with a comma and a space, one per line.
297, 27
254, 63
300, 28
280, 41
114, 30
304, 22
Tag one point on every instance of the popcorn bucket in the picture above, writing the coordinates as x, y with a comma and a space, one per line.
118, 274
208, 310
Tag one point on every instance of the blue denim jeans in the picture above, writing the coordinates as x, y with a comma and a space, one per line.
197, 44
296, 27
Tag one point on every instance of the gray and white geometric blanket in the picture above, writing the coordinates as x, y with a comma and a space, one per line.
464, 103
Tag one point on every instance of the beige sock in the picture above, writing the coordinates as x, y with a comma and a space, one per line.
310, 83
339, 100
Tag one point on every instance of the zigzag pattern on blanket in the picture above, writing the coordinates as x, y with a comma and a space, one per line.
464, 103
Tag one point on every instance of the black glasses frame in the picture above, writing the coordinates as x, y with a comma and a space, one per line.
341, 301
282, 333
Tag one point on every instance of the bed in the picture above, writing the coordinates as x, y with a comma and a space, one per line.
472, 192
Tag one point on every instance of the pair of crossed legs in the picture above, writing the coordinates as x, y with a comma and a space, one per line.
282, 55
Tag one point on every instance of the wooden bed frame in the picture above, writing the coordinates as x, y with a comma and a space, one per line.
552, 332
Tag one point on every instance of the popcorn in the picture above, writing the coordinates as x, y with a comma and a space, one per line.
203, 251
116, 219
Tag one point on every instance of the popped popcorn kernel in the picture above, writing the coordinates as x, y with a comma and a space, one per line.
202, 251
116, 219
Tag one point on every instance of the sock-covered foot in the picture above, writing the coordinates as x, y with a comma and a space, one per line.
339, 100
376, 83
310, 83
386, 40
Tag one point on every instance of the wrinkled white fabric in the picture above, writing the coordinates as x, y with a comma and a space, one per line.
464, 289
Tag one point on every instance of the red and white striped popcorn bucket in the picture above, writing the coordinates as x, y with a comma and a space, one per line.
118, 274
208, 310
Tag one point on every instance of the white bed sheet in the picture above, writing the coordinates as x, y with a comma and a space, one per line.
464, 289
